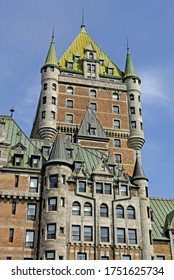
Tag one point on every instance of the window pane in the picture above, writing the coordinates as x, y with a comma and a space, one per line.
104, 232
87, 233
123, 190
116, 109
29, 240
121, 235
31, 215
82, 186
119, 211
76, 233
99, 188
76, 208
87, 209
103, 210
81, 256
53, 181
70, 90
52, 204
132, 236
51, 231
130, 212
33, 185
107, 188
50, 255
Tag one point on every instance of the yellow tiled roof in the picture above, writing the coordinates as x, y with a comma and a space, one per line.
78, 46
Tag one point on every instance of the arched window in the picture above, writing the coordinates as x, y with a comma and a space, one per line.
91, 55
130, 212
70, 90
119, 211
45, 86
76, 208
131, 96
54, 87
87, 209
103, 210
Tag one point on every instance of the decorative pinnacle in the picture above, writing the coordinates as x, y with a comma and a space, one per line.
83, 19
12, 111
53, 35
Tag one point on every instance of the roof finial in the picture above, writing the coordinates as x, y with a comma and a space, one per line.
83, 19
128, 51
12, 111
83, 22
53, 35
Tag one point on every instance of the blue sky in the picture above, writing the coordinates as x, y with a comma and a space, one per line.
25, 34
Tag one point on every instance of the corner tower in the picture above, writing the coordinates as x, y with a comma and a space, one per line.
136, 138
49, 94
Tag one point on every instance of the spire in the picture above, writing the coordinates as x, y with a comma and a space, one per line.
51, 58
129, 68
58, 152
138, 170
83, 23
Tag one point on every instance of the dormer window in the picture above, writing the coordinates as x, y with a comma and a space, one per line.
34, 162
45, 151
78, 165
76, 58
70, 65
101, 62
110, 71
92, 131
18, 160
91, 55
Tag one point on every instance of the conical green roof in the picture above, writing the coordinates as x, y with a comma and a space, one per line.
51, 58
129, 68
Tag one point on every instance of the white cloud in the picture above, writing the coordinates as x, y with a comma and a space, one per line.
154, 88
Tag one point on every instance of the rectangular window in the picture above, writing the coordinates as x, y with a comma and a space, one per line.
69, 118
76, 233
82, 186
117, 143
62, 202
132, 234
99, 188
70, 65
116, 109
53, 100
81, 256
31, 214
160, 258
33, 184
51, 231
107, 188
11, 234
123, 190
93, 68
13, 210
126, 257
104, 258
16, 181
18, 160
121, 235
43, 114
87, 233
50, 255
104, 233
34, 162
69, 103
69, 153
110, 71
132, 110
133, 124
52, 68
52, 204
45, 151
115, 96
29, 239
117, 158
53, 181
92, 93
53, 115
61, 230
116, 124
44, 100
89, 67
69, 137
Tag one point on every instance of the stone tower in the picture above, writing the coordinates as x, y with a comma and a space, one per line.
49, 95
136, 142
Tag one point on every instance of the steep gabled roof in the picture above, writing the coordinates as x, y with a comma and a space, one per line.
79, 45
90, 121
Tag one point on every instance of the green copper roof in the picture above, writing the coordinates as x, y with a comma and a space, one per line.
129, 68
51, 58
162, 208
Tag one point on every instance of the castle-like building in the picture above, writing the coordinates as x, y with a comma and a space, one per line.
76, 188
